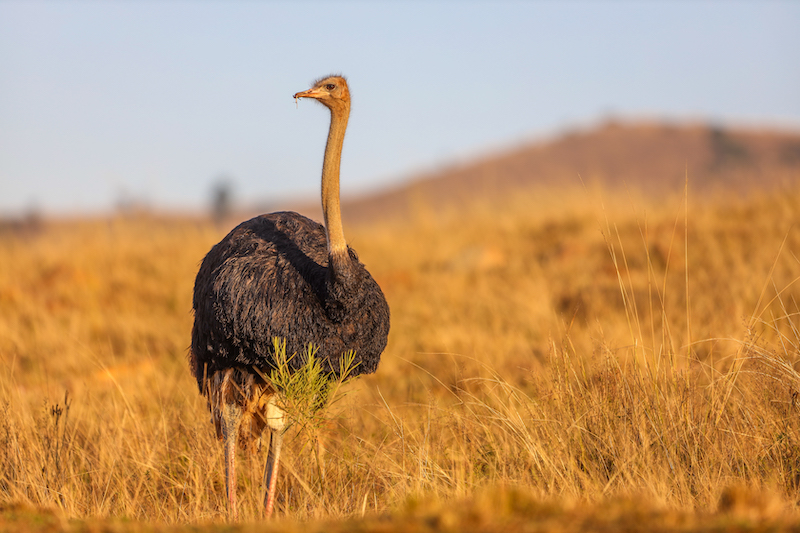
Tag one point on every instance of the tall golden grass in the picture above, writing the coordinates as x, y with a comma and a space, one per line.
569, 344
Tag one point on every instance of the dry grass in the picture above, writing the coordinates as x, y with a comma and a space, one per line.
571, 349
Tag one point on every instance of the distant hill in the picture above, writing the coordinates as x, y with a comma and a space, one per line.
649, 157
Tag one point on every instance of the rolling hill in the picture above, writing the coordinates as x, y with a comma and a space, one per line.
653, 158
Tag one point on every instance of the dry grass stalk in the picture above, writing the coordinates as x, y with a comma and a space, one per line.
559, 351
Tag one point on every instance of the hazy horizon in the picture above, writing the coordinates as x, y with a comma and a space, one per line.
153, 102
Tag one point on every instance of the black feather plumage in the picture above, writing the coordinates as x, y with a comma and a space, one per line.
272, 276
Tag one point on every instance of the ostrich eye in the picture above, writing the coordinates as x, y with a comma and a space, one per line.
330, 86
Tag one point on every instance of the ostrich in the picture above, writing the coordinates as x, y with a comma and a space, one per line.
282, 276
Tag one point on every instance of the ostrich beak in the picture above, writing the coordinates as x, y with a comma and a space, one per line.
310, 93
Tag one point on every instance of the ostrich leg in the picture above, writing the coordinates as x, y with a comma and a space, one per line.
271, 470
231, 418
276, 422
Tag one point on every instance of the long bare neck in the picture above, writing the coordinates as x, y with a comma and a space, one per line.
330, 182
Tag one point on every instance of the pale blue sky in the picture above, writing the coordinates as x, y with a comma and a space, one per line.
155, 100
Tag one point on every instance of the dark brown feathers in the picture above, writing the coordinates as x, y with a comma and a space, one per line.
272, 277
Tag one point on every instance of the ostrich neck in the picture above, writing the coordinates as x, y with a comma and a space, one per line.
330, 182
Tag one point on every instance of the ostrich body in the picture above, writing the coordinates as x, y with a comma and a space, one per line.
282, 276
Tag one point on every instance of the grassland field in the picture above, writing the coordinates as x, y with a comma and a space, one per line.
562, 360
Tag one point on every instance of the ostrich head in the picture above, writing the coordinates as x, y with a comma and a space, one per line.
330, 91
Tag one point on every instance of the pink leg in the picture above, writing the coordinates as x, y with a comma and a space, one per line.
271, 470
231, 418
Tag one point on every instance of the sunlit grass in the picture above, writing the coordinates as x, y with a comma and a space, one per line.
567, 345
